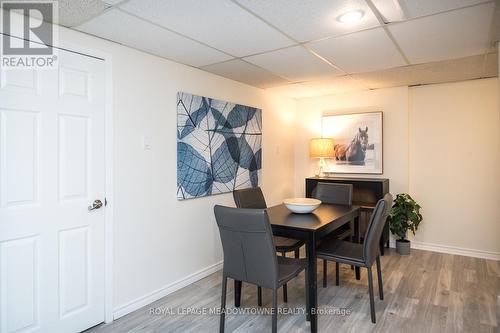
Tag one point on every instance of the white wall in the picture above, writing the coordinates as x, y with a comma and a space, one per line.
455, 164
393, 102
157, 239
442, 145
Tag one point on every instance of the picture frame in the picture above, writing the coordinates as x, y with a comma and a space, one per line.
219, 146
358, 142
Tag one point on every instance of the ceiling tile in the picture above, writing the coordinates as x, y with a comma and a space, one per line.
335, 85
221, 24
307, 20
362, 51
120, 27
428, 7
73, 13
400, 10
295, 90
394, 77
467, 68
454, 34
294, 63
242, 71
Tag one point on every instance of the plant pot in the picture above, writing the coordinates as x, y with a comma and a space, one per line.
403, 246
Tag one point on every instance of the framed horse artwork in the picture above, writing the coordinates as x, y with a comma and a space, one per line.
358, 142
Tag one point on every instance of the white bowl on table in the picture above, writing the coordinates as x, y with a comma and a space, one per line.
302, 205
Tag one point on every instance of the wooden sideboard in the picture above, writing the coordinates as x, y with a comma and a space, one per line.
366, 193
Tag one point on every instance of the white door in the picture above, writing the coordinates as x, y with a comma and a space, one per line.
51, 169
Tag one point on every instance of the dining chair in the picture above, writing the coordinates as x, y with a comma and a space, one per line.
339, 194
362, 255
250, 255
254, 198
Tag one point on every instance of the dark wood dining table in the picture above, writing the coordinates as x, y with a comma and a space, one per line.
311, 228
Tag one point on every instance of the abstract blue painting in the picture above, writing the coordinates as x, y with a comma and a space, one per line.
218, 146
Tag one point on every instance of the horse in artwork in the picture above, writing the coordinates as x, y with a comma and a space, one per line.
355, 152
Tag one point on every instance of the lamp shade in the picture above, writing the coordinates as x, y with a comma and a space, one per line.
321, 148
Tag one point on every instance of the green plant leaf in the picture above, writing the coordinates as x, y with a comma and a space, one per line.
404, 215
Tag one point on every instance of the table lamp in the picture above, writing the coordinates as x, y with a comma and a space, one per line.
321, 148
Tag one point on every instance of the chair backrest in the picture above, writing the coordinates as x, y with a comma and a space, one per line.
247, 242
249, 198
333, 193
375, 228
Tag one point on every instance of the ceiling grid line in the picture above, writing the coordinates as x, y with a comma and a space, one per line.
297, 43
383, 24
233, 57
388, 24
172, 31
108, 8
303, 45
365, 56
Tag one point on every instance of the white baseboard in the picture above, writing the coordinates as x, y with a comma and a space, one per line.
452, 250
138, 303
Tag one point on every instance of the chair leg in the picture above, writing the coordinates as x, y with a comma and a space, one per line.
325, 273
380, 284
259, 296
352, 241
370, 291
297, 254
285, 293
275, 311
237, 293
337, 273
223, 304
308, 309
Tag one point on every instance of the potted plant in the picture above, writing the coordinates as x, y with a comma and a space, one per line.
404, 215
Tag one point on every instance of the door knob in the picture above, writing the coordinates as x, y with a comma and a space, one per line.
95, 205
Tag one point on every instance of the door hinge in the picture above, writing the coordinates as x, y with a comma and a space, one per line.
105, 202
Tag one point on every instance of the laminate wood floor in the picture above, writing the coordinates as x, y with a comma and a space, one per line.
424, 292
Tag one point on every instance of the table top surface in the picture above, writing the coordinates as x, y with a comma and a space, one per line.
280, 216
352, 179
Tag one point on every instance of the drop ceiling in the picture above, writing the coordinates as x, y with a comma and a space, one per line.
298, 47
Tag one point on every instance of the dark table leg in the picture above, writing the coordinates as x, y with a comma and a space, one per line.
237, 293
312, 279
357, 237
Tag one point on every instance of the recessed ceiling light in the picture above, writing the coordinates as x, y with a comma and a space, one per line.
352, 16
